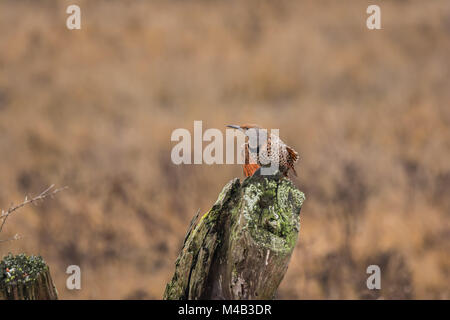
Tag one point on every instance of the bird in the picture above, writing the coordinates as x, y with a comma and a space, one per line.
268, 151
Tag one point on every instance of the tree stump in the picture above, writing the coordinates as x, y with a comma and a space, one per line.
240, 249
26, 278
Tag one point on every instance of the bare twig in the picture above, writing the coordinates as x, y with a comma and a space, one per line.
16, 237
49, 192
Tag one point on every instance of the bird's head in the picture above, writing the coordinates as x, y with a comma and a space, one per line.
244, 127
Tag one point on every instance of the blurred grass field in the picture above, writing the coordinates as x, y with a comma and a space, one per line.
94, 109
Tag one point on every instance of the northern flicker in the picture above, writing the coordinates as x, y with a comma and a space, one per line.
265, 150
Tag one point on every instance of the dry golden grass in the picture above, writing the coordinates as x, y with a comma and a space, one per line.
94, 109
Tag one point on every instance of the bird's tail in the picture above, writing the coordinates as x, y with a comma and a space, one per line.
293, 154
292, 159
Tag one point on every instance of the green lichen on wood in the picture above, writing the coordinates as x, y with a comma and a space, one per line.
20, 268
25, 277
269, 207
240, 249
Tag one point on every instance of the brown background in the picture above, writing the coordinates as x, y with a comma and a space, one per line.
94, 109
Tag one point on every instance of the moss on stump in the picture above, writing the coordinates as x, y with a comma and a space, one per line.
25, 277
240, 249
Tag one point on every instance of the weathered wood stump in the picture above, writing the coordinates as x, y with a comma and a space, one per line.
26, 278
240, 249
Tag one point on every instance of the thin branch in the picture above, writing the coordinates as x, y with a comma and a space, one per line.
16, 237
49, 192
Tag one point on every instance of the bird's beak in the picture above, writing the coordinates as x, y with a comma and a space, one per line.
234, 126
